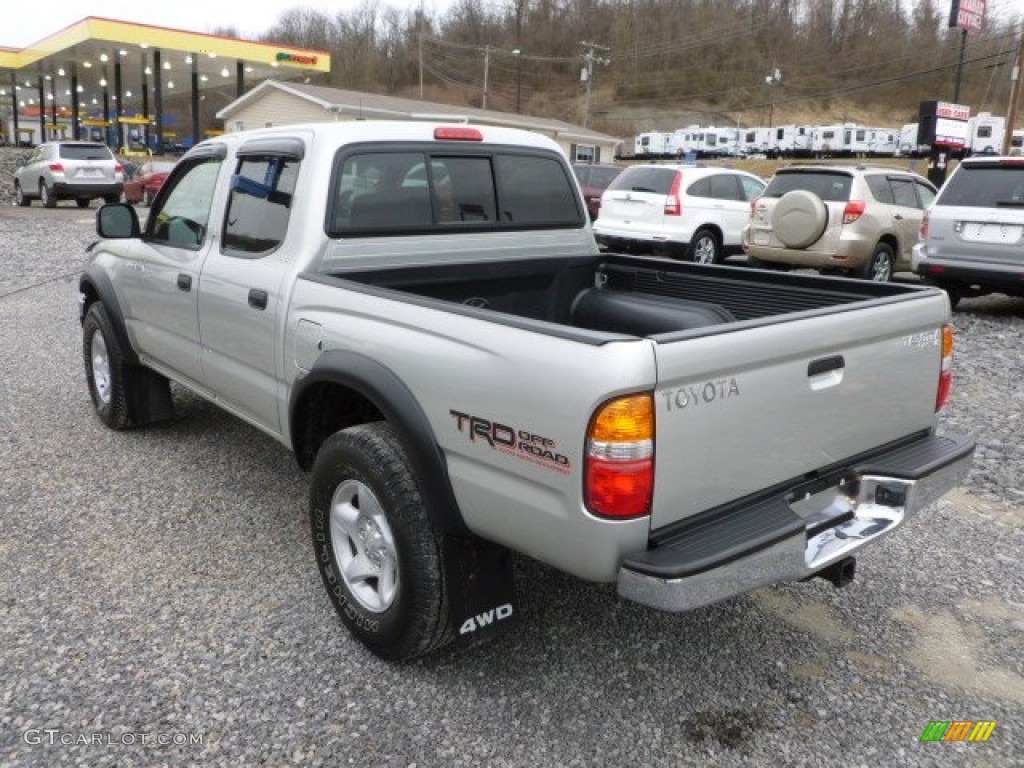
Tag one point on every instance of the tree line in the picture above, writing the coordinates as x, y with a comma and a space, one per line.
740, 57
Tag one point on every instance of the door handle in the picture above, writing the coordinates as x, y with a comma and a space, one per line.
825, 365
184, 282
257, 298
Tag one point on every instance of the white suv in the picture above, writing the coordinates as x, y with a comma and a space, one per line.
685, 211
69, 170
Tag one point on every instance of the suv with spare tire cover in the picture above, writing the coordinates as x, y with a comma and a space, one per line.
859, 220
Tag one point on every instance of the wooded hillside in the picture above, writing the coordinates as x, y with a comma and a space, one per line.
660, 64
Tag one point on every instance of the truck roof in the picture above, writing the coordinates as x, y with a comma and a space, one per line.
395, 130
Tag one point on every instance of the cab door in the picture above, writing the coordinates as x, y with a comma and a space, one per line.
158, 277
242, 302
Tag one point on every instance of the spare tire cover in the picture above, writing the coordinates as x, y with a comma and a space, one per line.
799, 218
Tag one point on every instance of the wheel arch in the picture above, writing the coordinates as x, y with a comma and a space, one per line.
346, 388
94, 285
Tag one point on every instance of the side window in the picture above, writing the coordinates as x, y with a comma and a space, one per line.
700, 188
752, 188
182, 219
259, 205
724, 187
903, 193
880, 190
535, 190
926, 193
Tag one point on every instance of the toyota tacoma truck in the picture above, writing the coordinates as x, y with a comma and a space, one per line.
419, 312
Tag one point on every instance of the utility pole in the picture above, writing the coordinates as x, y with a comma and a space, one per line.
487, 65
1015, 83
421, 49
587, 73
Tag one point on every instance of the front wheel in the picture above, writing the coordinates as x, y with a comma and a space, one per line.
880, 267
377, 551
105, 368
19, 196
705, 248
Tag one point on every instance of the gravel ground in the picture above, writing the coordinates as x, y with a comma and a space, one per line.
158, 585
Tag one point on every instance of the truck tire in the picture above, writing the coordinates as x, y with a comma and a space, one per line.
799, 218
105, 368
705, 248
378, 554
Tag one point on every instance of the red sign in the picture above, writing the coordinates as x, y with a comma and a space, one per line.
969, 15
952, 111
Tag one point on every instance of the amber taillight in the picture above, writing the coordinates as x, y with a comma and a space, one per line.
619, 479
946, 371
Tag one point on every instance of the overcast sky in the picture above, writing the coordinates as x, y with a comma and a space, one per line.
249, 17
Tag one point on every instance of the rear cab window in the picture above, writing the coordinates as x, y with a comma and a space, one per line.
379, 190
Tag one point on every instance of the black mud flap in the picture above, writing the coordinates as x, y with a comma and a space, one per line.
483, 590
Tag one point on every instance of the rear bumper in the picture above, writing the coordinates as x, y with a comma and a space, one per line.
64, 189
797, 532
1008, 278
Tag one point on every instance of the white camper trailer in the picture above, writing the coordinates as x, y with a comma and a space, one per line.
790, 141
985, 134
827, 140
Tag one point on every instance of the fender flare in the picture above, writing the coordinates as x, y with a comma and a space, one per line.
390, 395
96, 281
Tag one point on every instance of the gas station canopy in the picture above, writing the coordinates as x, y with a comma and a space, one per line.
119, 73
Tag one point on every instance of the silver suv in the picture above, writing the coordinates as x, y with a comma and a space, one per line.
69, 170
677, 210
972, 238
859, 220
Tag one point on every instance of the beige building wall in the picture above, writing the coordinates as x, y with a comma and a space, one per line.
275, 107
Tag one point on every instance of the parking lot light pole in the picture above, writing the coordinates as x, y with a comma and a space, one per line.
518, 53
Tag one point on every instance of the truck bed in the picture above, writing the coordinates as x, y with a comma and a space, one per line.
626, 295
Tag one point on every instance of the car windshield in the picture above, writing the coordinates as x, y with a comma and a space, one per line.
985, 187
833, 187
160, 168
636, 179
85, 152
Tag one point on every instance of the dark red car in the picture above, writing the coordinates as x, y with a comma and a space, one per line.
594, 180
146, 182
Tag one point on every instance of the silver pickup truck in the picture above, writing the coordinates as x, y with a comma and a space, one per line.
419, 312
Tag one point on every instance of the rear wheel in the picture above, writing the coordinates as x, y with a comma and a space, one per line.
82, 203
46, 196
377, 551
879, 267
705, 248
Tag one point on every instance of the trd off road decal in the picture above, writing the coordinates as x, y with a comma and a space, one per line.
521, 443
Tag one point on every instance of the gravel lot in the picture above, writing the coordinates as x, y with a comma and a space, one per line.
160, 583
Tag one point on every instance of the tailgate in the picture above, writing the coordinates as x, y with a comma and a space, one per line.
985, 235
641, 211
742, 411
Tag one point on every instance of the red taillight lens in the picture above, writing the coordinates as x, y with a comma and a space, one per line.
853, 211
458, 134
672, 205
946, 372
56, 167
118, 168
619, 479
924, 226
753, 206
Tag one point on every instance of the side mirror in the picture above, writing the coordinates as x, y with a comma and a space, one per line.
117, 221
